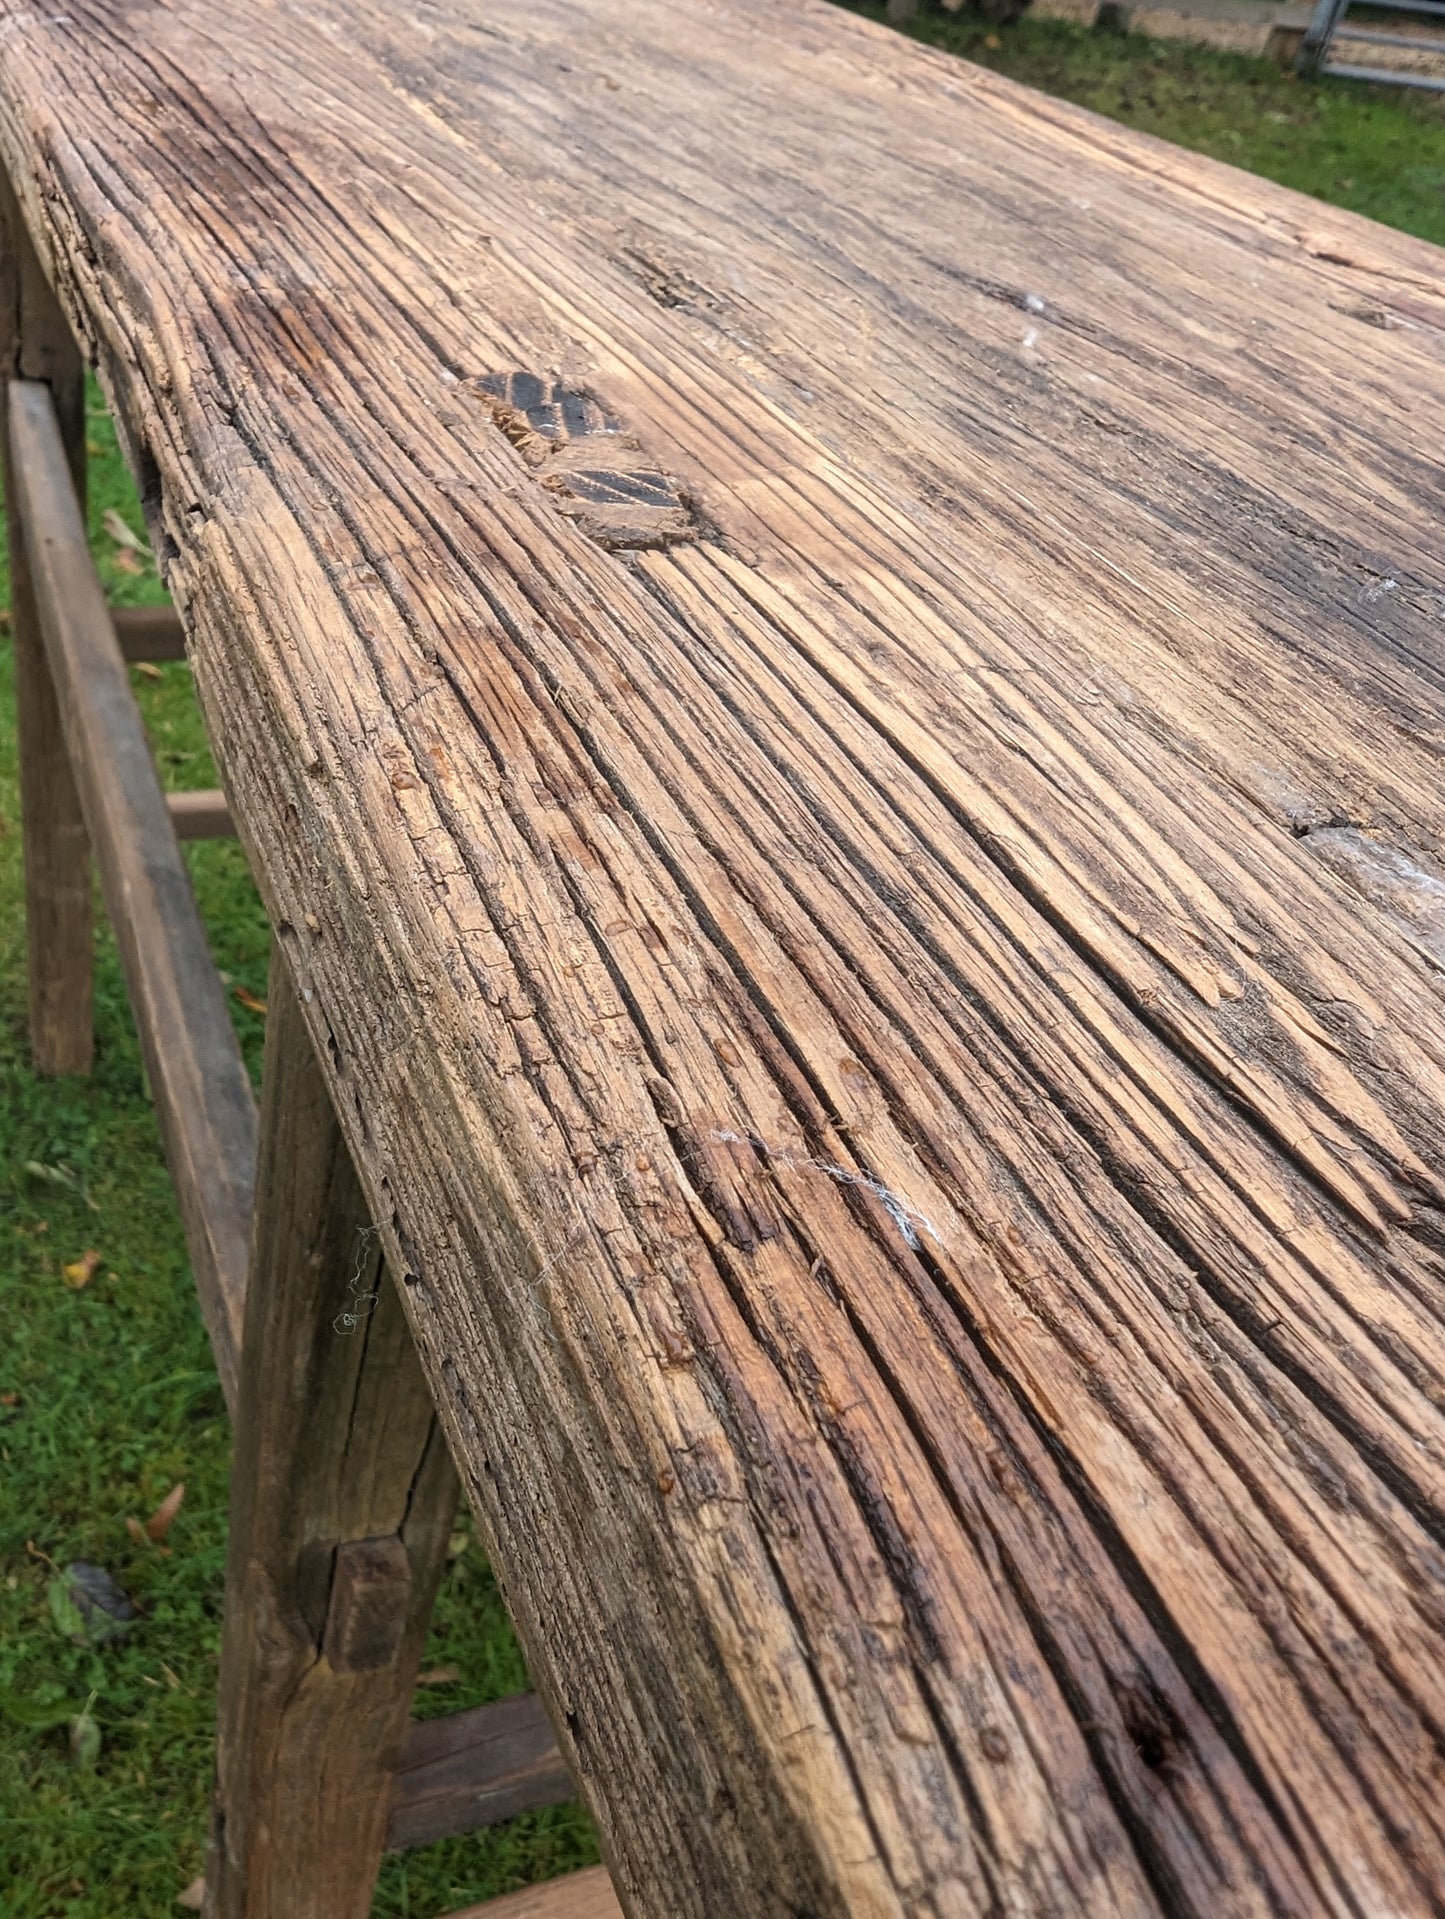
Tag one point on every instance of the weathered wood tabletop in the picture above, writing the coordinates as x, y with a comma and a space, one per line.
832, 672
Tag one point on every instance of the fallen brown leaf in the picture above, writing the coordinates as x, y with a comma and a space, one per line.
438, 1676
80, 1272
249, 1000
136, 1530
121, 532
149, 669
159, 1523
126, 561
194, 1896
9, 1399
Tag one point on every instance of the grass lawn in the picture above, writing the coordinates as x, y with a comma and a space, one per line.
107, 1395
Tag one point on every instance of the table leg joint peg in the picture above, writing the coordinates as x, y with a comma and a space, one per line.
370, 1603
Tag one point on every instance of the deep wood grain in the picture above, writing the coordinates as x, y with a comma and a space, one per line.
36, 344
475, 1768
913, 1153
193, 1062
342, 1499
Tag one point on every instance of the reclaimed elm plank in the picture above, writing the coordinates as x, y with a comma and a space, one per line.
793, 631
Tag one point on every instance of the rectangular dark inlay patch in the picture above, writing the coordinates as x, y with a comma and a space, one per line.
598, 474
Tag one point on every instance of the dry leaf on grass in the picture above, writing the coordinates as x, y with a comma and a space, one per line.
249, 1000
85, 1738
153, 1532
125, 561
194, 1896
439, 1676
80, 1272
159, 1523
148, 669
123, 535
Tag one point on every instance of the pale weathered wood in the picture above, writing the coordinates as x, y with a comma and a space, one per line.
196, 1073
342, 1498
580, 1895
200, 815
36, 344
913, 1153
476, 1768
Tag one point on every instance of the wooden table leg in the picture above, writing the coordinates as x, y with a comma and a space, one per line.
342, 1499
38, 345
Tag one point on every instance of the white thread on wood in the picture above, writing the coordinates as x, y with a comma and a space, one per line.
906, 1218
363, 1301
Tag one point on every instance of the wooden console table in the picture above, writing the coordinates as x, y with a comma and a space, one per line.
832, 675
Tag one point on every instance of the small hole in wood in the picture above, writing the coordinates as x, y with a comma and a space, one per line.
1152, 1728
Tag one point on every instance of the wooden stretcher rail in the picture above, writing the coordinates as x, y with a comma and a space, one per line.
475, 1769
203, 1096
580, 1895
471, 1769
148, 633
202, 815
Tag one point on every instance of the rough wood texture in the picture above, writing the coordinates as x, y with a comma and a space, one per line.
197, 1076
342, 1498
913, 1152
581, 1895
36, 344
476, 1768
